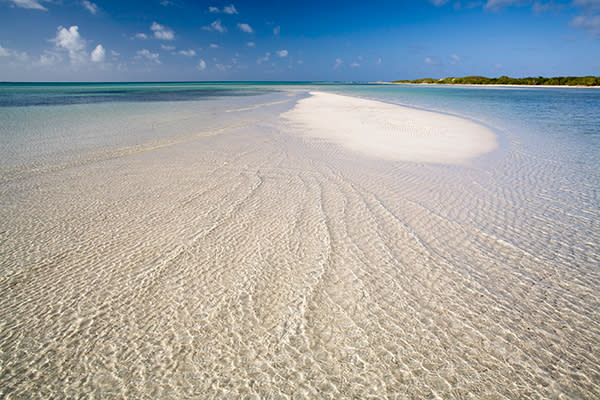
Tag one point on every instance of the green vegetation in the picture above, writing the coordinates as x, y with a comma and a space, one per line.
505, 80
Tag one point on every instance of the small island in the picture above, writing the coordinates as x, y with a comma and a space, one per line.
505, 80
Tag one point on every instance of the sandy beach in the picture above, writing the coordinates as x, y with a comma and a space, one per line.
335, 247
389, 131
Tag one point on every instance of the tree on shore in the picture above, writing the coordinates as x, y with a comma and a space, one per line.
505, 80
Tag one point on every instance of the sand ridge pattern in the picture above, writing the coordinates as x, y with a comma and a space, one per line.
259, 264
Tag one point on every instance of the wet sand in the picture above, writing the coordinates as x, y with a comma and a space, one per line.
262, 263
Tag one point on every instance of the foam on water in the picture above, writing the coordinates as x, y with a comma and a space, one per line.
256, 263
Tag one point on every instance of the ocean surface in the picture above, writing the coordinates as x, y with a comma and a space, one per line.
181, 240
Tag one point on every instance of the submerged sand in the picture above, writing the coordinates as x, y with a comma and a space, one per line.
262, 264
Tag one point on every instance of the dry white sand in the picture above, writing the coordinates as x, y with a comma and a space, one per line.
390, 131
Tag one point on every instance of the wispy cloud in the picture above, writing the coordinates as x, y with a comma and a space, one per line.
188, 53
438, 3
91, 7
98, 54
167, 48
49, 58
282, 53
70, 40
277, 30
149, 55
264, 59
140, 36
245, 28
201, 65
454, 59
355, 64
230, 9
587, 4
31, 4
591, 23
251, 44
497, 4
162, 32
214, 46
338, 63
20, 56
4, 52
215, 26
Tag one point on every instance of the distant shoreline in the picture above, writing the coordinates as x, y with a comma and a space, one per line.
488, 85
530, 81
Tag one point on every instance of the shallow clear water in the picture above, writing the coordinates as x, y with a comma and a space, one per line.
180, 241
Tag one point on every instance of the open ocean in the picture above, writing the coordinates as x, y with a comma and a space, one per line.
178, 240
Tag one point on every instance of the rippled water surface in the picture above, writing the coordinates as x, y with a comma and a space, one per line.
180, 241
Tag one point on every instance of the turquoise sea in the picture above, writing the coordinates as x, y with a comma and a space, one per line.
175, 240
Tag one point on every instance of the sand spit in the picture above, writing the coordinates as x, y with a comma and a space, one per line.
390, 131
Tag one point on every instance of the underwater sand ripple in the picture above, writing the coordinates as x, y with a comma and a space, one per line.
256, 263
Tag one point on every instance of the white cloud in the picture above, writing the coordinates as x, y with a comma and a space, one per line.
222, 67
438, 3
91, 7
338, 63
188, 53
214, 46
215, 26
264, 59
251, 44
141, 36
4, 52
162, 32
166, 3
21, 57
589, 23
282, 53
70, 40
230, 9
378, 61
588, 4
49, 58
98, 54
496, 4
114, 53
167, 48
276, 30
355, 65
147, 54
454, 59
300, 62
245, 28
31, 4
201, 65
428, 60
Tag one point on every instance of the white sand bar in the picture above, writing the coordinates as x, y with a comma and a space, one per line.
390, 131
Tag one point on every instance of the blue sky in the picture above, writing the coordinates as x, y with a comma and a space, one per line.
172, 40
